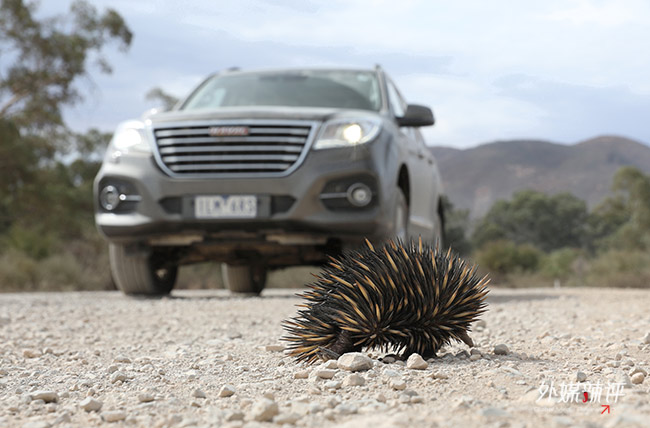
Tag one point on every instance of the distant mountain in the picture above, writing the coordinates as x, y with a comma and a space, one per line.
477, 177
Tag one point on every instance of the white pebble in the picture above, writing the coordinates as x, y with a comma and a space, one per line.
264, 410
145, 397
398, 384
330, 364
122, 359
333, 384
197, 393
391, 373
46, 396
354, 362
416, 362
637, 378
227, 391
325, 373
581, 376
439, 375
302, 374
501, 349
89, 404
354, 380
274, 348
114, 415
118, 376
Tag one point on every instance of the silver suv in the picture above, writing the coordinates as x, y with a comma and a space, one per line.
265, 169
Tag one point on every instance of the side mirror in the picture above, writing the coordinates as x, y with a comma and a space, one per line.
416, 115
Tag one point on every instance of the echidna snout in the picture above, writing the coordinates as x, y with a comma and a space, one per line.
408, 298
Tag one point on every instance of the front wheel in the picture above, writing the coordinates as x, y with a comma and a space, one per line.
401, 216
244, 279
140, 271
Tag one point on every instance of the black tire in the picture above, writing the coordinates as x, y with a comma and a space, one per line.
244, 279
441, 236
439, 232
401, 216
140, 272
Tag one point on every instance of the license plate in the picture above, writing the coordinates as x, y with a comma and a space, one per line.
225, 206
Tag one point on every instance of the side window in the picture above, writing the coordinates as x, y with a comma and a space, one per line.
395, 100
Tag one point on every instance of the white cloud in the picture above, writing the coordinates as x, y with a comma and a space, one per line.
576, 43
611, 13
468, 113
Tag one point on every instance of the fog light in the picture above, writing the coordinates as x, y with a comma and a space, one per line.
359, 195
109, 198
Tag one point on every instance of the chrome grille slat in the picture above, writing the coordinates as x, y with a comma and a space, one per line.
212, 140
227, 149
230, 158
270, 148
230, 167
164, 133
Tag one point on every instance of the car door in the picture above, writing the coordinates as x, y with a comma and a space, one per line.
428, 173
421, 174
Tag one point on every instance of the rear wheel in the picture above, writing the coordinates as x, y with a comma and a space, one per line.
244, 279
140, 271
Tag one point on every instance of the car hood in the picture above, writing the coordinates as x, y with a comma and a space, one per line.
243, 113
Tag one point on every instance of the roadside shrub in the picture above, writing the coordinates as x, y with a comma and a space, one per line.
504, 257
74, 265
560, 264
620, 268
18, 272
31, 241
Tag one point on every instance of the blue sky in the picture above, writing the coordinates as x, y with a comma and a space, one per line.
560, 70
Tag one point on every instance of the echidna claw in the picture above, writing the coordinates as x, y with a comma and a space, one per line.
465, 338
327, 354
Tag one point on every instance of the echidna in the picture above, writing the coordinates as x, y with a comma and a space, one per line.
408, 298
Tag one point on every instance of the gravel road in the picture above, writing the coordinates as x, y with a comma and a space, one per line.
208, 359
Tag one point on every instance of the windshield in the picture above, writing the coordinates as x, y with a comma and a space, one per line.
317, 88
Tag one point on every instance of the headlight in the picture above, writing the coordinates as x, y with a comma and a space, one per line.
347, 133
129, 137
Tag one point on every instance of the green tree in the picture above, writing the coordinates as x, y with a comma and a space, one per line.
623, 220
43, 60
48, 58
532, 217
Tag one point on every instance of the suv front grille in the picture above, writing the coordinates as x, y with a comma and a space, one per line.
269, 148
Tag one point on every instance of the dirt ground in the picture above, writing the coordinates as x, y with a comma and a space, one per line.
204, 358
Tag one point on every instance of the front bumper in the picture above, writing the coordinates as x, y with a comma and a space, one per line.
295, 205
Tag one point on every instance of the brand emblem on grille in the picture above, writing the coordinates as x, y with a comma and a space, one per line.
227, 131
